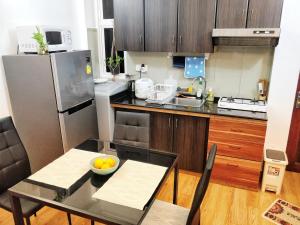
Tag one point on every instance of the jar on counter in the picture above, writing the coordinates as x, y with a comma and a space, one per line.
210, 95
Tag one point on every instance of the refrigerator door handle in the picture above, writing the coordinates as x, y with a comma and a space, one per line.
78, 107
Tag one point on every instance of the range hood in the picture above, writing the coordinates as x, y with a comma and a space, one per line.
246, 37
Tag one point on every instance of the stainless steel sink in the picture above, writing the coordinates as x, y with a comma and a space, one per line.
186, 102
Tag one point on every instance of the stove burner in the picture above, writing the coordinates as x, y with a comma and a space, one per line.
230, 99
243, 104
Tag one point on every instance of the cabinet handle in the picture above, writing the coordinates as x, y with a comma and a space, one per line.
141, 39
232, 165
234, 147
169, 122
298, 101
176, 122
180, 40
173, 40
236, 130
251, 12
243, 12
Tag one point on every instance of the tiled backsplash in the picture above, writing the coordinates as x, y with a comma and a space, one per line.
230, 71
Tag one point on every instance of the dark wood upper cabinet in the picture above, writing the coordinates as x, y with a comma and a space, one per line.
232, 13
196, 20
161, 132
190, 141
161, 25
129, 25
264, 13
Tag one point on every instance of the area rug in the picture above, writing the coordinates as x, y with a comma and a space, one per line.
283, 213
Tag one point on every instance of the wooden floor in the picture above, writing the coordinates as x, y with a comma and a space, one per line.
222, 205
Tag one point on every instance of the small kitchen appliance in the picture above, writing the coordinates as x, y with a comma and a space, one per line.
143, 88
58, 38
242, 104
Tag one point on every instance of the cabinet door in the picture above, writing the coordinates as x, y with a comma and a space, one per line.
160, 25
129, 25
196, 19
232, 13
161, 134
190, 141
264, 14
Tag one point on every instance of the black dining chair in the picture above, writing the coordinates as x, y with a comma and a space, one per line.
167, 213
14, 167
132, 129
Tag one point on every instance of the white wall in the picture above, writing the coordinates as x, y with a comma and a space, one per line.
286, 68
69, 13
230, 71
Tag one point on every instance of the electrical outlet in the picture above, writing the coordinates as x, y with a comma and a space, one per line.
138, 67
141, 68
144, 68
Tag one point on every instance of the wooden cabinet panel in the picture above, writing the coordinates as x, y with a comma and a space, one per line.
264, 14
236, 172
236, 125
232, 13
235, 138
196, 19
242, 151
190, 141
161, 132
161, 25
129, 25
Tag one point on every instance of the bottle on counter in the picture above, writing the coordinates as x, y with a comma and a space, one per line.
210, 95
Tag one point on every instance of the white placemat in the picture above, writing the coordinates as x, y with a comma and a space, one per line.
66, 170
132, 185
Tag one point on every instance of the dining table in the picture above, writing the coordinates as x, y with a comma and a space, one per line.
78, 199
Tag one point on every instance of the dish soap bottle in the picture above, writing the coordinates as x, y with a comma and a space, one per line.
210, 95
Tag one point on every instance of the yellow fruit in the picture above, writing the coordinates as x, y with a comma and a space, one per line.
111, 162
98, 163
105, 166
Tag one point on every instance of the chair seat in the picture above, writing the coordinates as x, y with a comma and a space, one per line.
166, 213
28, 207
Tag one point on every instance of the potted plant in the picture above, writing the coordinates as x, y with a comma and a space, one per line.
114, 61
39, 38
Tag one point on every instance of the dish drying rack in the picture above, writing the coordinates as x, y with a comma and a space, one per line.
161, 94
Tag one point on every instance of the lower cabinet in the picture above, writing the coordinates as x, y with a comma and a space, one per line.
237, 172
240, 150
185, 135
161, 131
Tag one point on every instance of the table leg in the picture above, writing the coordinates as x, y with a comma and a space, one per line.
175, 190
16, 210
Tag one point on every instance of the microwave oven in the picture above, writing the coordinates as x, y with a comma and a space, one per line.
58, 39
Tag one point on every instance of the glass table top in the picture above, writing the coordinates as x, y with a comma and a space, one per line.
78, 197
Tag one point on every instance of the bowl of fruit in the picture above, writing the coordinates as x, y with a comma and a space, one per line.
104, 165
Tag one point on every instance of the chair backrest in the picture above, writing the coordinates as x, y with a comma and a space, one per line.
194, 214
132, 129
14, 162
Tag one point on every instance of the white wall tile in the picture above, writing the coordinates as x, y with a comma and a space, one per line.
230, 71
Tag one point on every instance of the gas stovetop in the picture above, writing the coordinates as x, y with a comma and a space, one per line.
243, 104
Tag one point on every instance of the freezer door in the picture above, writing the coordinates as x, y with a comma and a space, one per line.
78, 125
73, 78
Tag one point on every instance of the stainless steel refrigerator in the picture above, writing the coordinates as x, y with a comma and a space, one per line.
52, 101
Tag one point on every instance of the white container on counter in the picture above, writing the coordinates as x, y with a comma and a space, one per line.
144, 88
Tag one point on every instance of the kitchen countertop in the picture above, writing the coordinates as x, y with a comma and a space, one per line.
125, 100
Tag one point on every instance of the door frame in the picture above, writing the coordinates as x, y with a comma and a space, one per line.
293, 145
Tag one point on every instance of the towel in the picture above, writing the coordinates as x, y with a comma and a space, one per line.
194, 67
